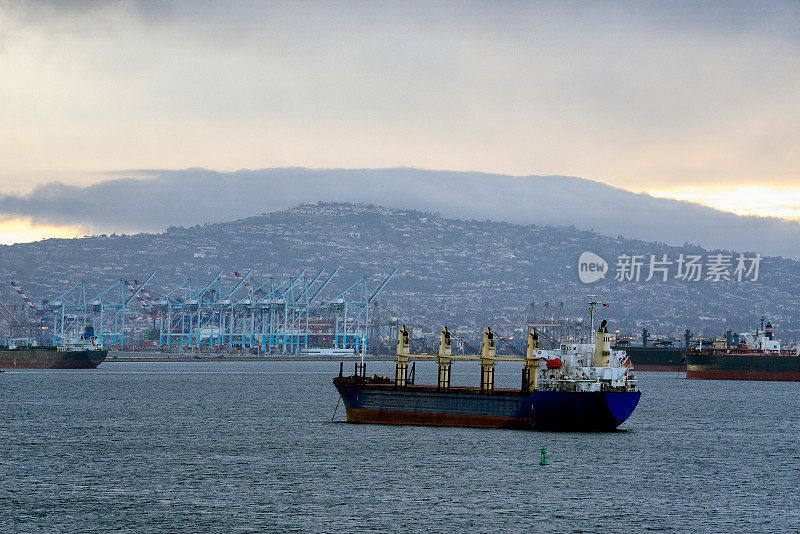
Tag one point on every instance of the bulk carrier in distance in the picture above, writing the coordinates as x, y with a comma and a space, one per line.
578, 387
661, 355
750, 356
77, 352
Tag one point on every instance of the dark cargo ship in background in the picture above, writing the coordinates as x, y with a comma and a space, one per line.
751, 356
80, 352
662, 355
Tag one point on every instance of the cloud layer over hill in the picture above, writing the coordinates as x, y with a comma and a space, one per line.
195, 196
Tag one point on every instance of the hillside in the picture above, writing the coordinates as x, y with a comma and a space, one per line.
455, 272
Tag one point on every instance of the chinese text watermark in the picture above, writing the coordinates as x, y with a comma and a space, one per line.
661, 267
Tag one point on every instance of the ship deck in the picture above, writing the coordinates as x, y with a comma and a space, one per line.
385, 384
377, 383
786, 353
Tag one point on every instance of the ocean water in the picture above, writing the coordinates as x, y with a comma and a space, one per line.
250, 447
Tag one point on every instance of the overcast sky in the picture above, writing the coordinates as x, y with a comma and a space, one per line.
648, 96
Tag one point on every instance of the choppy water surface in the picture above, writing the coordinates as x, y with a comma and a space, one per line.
240, 447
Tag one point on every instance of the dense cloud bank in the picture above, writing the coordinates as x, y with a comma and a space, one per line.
195, 196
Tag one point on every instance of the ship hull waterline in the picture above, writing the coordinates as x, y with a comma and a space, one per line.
758, 376
468, 407
758, 367
51, 359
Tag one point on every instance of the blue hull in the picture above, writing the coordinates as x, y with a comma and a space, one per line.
539, 410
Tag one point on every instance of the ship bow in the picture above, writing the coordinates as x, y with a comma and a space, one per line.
622, 404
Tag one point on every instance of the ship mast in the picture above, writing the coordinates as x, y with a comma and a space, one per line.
592, 304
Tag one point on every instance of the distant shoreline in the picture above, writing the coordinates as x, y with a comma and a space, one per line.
147, 356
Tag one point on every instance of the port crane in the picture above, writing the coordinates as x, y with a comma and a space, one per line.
352, 314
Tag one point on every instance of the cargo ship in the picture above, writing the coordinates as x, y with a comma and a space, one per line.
661, 355
750, 356
77, 352
577, 387
655, 358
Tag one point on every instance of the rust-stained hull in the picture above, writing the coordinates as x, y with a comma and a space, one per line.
355, 415
384, 403
744, 375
